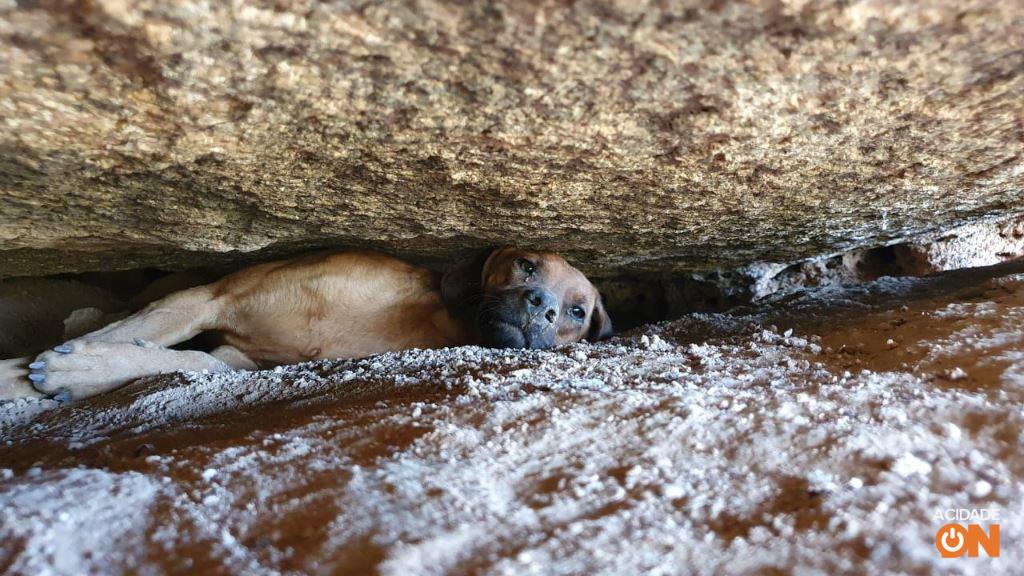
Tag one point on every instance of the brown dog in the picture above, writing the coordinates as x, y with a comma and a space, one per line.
336, 305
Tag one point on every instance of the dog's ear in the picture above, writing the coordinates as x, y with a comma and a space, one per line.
600, 322
461, 286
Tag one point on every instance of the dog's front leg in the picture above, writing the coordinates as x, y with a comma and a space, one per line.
82, 368
167, 321
123, 351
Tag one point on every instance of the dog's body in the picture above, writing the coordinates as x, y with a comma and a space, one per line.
342, 305
335, 305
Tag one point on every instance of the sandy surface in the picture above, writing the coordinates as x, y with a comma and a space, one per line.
819, 435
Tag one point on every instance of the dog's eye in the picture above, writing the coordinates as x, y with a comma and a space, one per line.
527, 266
577, 312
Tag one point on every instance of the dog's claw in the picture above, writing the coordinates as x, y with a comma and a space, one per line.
63, 349
37, 378
62, 396
38, 365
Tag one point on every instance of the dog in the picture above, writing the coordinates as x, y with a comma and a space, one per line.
330, 305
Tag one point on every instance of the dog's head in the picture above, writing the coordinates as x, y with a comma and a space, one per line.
525, 299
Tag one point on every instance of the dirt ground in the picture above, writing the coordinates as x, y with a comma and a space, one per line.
818, 434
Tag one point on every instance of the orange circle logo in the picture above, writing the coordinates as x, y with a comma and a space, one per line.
951, 540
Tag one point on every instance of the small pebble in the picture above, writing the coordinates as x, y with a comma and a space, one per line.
909, 465
673, 491
954, 374
981, 489
143, 450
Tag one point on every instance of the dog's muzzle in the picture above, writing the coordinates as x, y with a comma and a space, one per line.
521, 319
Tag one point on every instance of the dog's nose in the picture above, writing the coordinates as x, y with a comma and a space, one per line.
541, 302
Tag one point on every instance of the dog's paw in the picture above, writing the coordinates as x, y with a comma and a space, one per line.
79, 369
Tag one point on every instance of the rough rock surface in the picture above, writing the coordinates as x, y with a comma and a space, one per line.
635, 300
821, 436
971, 246
630, 134
967, 247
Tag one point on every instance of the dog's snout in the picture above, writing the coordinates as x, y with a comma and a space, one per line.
541, 302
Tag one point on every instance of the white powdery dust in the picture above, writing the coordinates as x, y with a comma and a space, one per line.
708, 444
74, 521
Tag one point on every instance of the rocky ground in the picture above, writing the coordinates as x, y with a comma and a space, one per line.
818, 433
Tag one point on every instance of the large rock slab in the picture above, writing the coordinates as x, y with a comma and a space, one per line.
633, 136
